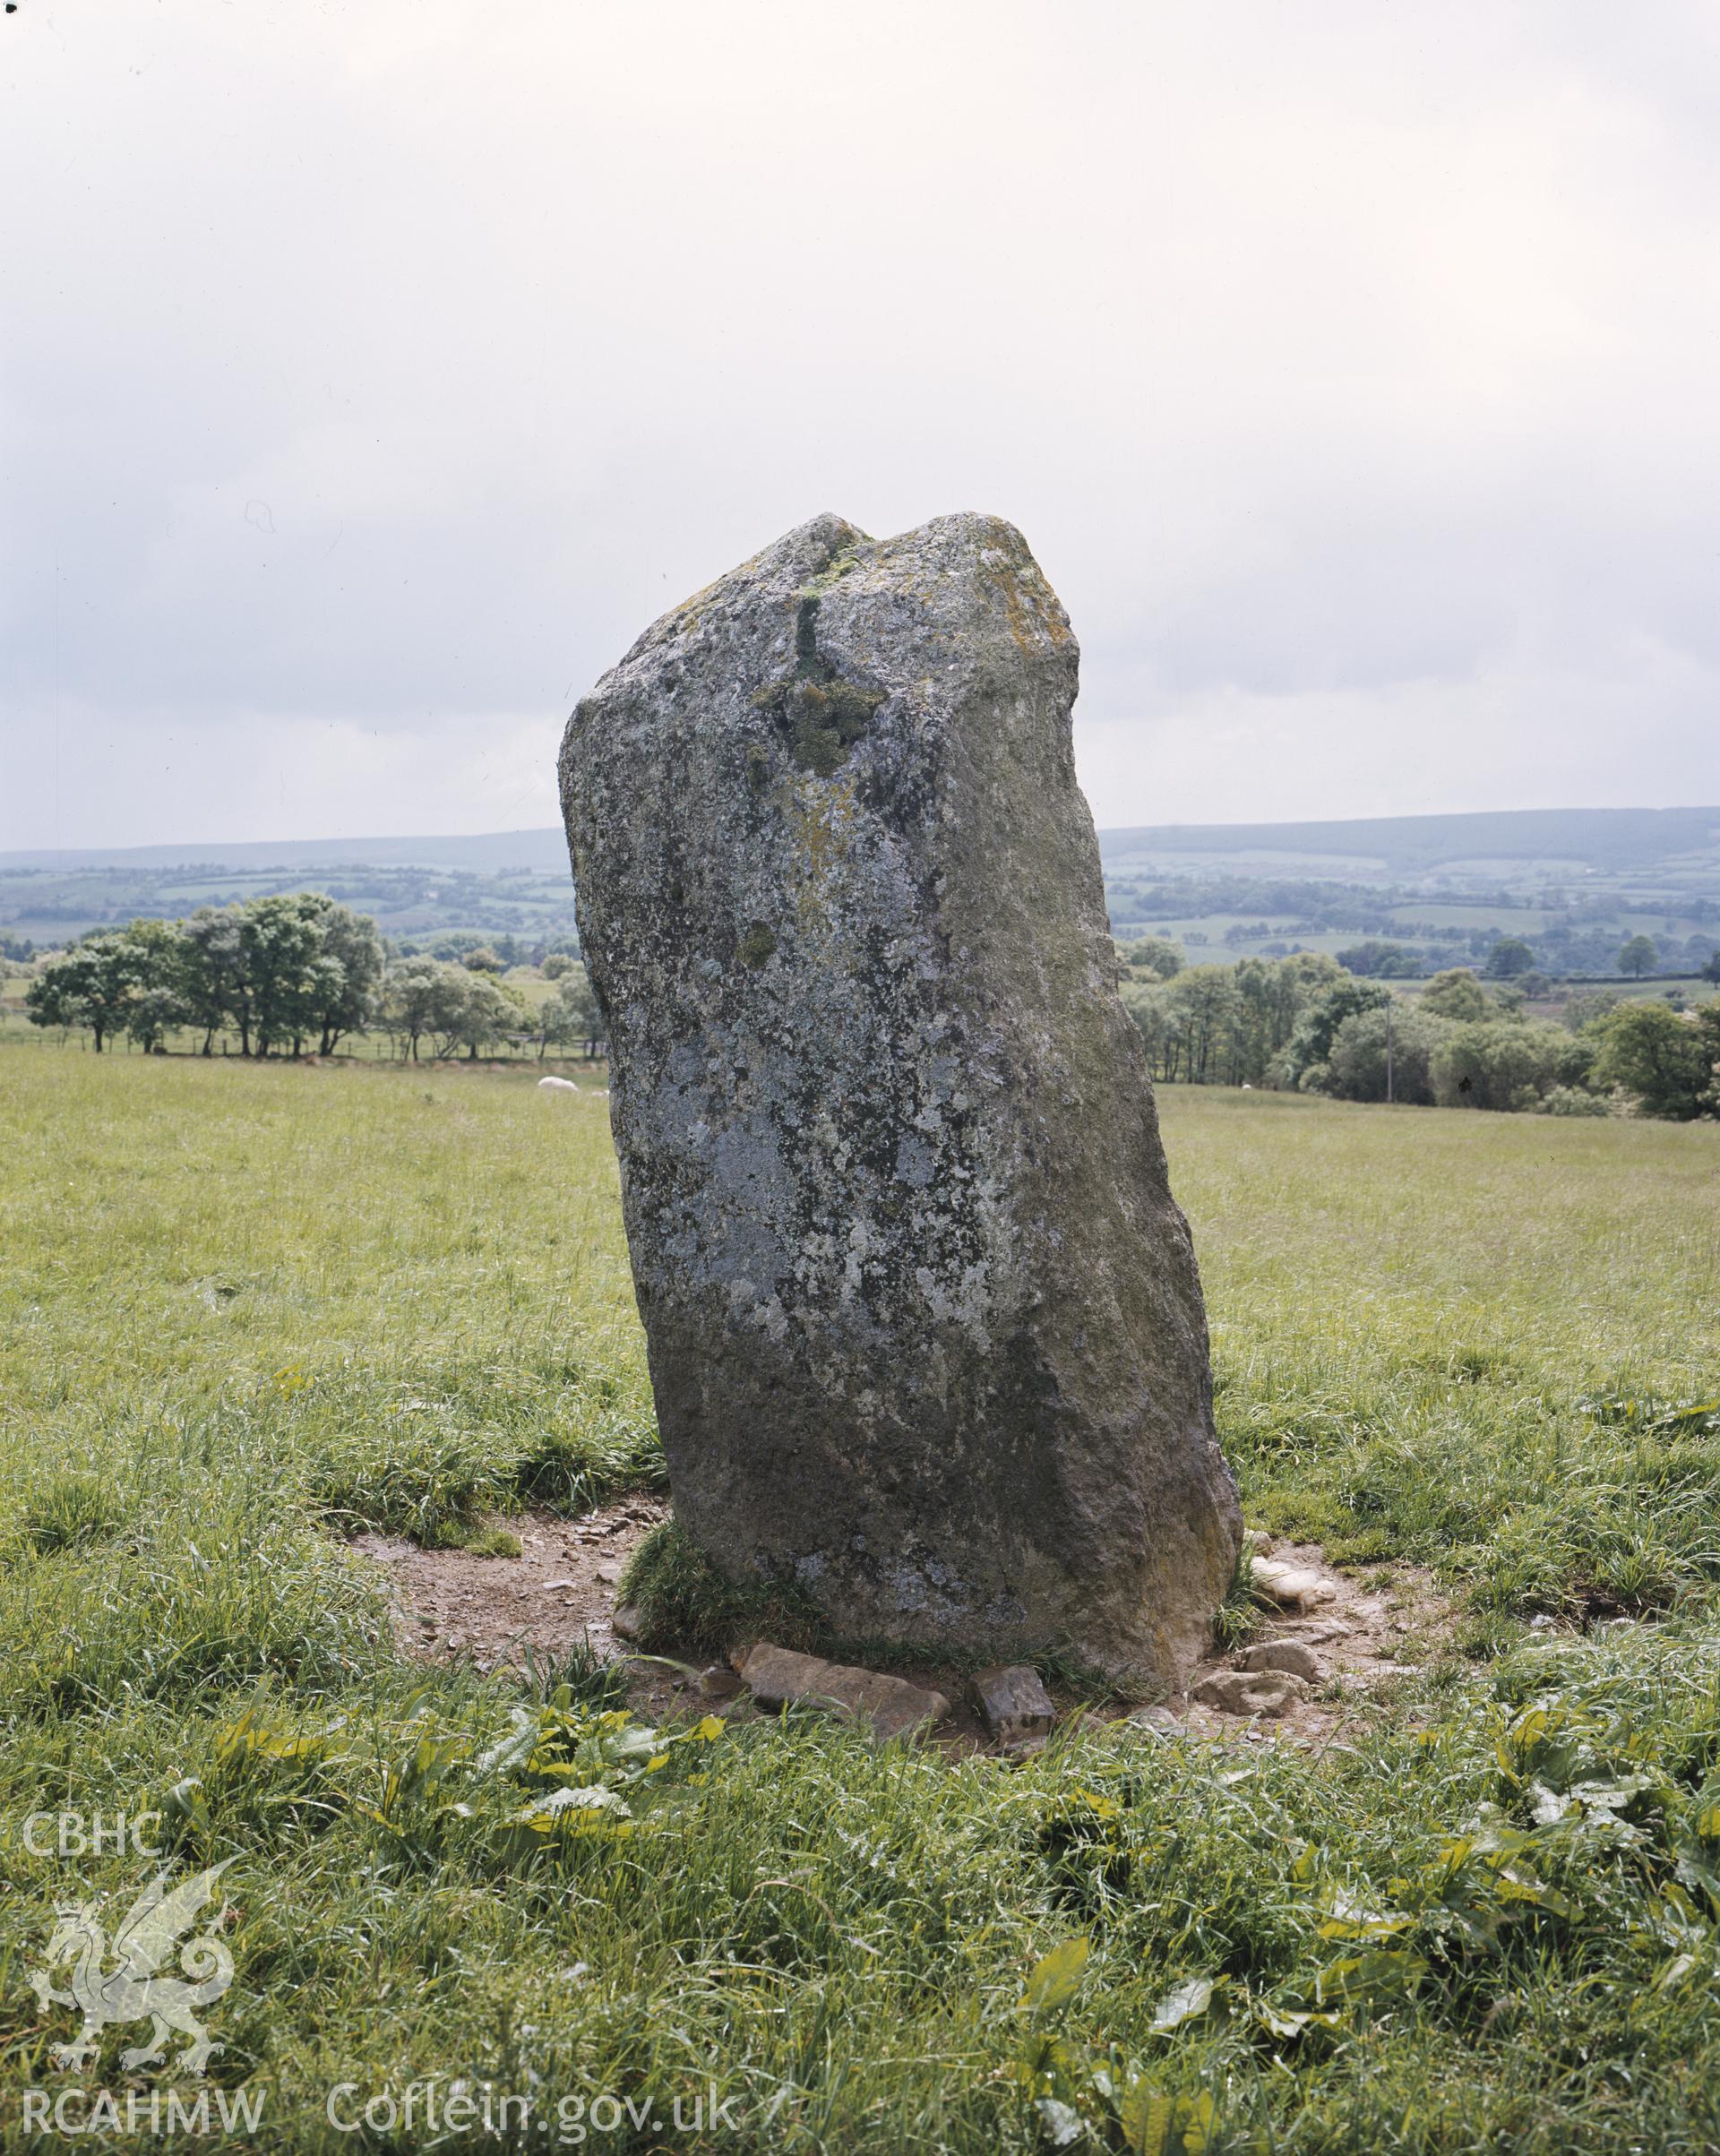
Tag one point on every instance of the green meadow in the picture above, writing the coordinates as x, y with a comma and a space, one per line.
249, 1310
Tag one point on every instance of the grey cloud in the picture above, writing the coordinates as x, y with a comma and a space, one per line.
369, 375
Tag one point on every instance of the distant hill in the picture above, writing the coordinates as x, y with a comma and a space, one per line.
1393, 846
1400, 847
1570, 882
544, 850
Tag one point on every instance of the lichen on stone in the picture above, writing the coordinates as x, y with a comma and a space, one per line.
757, 946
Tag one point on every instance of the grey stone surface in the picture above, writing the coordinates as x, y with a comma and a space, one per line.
887, 1706
1264, 1692
1162, 1720
1291, 1655
925, 1326
1013, 1703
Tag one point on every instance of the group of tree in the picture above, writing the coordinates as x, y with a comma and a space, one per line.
1458, 1046
1222, 1024
450, 1006
1508, 958
1304, 1023
280, 972
292, 973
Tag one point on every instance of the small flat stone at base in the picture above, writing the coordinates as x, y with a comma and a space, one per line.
1013, 1703
887, 1706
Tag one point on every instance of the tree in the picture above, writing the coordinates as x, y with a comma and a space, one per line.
1311, 1044
1297, 982
213, 969
59, 995
1227, 1024
1385, 961
491, 1009
342, 1000
1585, 1010
1665, 1061
292, 978
1356, 1069
159, 1002
1509, 957
1155, 955
93, 985
1638, 955
1456, 995
426, 998
1503, 1064
1205, 999
1159, 1025
291, 967
1255, 1031
1711, 967
265, 983
573, 1011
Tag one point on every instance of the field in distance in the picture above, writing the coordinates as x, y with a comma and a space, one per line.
1575, 883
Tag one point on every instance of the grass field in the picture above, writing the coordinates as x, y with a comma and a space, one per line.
246, 1309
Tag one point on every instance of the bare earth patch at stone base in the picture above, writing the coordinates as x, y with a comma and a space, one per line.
1305, 1675
1358, 1635
559, 1591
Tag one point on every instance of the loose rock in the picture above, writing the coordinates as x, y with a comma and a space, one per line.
1291, 1586
1291, 1655
926, 1332
1268, 1692
1013, 1704
1162, 1720
887, 1706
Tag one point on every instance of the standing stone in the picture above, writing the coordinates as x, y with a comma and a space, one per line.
925, 1327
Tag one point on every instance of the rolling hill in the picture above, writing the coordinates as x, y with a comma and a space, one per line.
1570, 882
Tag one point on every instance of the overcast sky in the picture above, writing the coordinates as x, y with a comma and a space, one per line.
373, 371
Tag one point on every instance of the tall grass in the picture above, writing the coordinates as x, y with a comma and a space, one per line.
1419, 1321
245, 1310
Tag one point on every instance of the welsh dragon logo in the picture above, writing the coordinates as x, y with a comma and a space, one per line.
129, 1990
